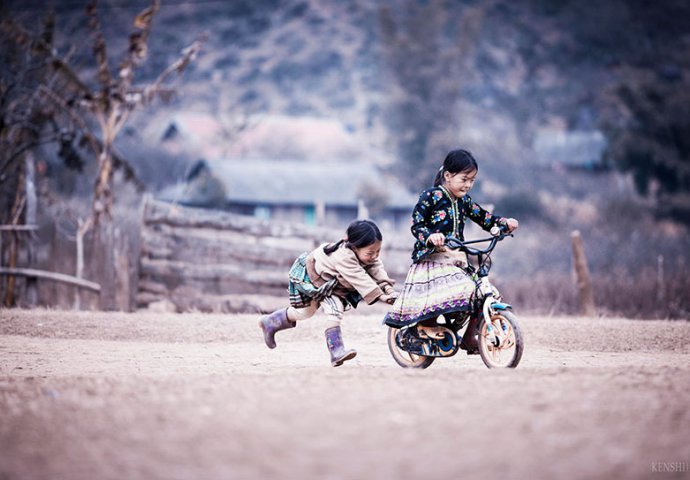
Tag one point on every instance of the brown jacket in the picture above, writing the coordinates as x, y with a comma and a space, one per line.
370, 281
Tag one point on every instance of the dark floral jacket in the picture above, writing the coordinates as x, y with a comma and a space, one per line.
437, 211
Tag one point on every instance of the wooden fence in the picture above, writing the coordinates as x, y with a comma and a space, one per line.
198, 259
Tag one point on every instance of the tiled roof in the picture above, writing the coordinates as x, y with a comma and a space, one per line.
299, 182
302, 182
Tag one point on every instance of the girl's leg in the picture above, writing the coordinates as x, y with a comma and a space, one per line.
297, 314
283, 319
469, 340
275, 322
333, 307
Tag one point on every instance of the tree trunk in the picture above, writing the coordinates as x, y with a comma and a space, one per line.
102, 197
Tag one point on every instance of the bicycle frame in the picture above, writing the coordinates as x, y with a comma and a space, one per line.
484, 287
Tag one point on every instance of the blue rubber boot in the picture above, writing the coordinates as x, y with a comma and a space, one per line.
273, 323
334, 341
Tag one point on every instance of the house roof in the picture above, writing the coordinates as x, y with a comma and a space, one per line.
571, 148
302, 182
334, 183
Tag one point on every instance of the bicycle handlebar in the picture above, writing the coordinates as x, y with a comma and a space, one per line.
457, 244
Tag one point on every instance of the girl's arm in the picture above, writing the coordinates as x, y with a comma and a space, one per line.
482, 217
381, 277
353, 273
421, 214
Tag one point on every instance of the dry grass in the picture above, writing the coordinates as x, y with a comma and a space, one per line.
638, 296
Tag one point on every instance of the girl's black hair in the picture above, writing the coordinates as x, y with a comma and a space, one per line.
360, 233
456, 161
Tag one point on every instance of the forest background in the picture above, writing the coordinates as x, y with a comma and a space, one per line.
578, 113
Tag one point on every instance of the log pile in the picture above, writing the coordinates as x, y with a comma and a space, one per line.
207, 260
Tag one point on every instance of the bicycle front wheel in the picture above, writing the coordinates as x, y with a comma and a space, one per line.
502, 346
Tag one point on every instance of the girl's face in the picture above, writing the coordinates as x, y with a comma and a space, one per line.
458, 184
369, 254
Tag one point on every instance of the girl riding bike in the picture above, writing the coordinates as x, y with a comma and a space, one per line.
438, 282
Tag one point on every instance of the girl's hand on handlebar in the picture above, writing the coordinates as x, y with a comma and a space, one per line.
436, 239
511, 224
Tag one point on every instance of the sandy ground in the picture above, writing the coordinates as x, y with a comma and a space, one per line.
166, 396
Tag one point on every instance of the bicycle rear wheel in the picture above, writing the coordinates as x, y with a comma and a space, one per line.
403, 358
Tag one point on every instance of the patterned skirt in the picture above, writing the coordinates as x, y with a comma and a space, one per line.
433, 287
300, 287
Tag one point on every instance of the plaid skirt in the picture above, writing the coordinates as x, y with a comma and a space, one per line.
301, 290
300, 287
433, 287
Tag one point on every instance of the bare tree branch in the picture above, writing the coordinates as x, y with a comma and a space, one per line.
73, 116
96, 145
99, 48
188, 55
138, 45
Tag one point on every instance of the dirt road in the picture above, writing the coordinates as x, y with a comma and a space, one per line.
157, 396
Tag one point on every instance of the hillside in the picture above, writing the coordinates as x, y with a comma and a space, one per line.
514, 72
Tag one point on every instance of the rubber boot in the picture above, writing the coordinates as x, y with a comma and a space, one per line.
334, 341
273, 323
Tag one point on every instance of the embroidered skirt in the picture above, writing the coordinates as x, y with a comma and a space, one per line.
436, 286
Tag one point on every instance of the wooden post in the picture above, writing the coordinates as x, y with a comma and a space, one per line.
362, 210
82, 228
584, 287
320, 212
105, 257
660, 283
30, 219
122, 270
52, 296
12, 263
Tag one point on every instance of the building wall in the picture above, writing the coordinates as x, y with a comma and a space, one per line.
335, 216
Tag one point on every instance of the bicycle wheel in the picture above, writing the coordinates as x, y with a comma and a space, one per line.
505, 349
403, 358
